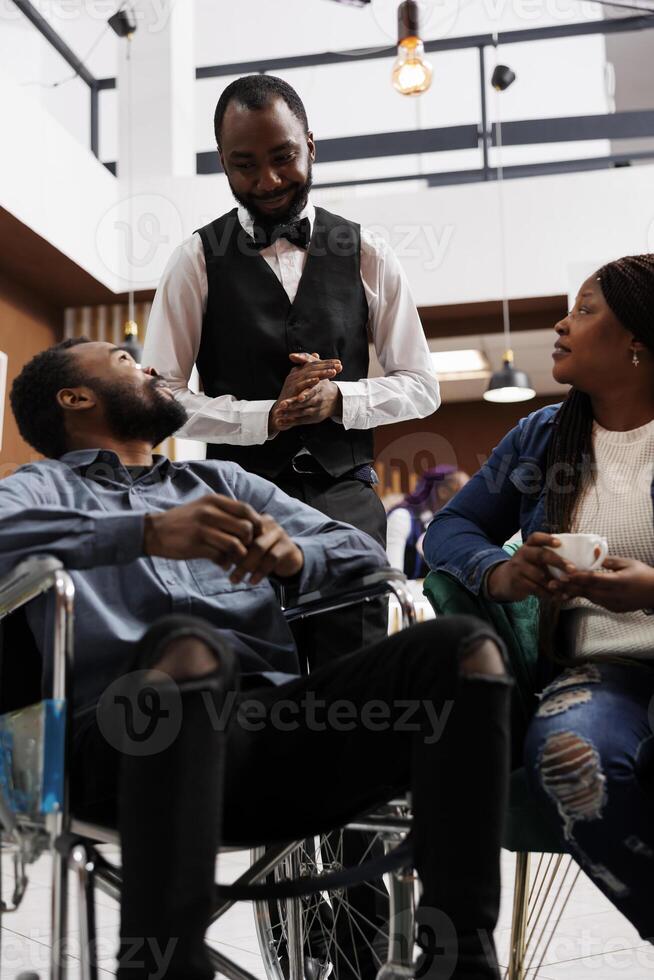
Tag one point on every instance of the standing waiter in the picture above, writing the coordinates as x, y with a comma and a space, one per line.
275, 303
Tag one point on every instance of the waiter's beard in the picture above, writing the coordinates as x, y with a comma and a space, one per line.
269, 222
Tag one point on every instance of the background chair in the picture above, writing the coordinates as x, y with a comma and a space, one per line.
35, 817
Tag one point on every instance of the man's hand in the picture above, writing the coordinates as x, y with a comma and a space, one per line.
214, 527
322, 402
227, 532
307, 373
526, 572
624, 586
271, 552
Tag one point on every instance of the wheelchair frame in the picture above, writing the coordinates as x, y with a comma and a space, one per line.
73, 843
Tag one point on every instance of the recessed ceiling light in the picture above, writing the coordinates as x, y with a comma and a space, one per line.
460, 365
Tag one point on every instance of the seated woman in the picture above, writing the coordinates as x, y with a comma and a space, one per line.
408, 519
586, 465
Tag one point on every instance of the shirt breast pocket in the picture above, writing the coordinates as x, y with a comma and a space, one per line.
210, 579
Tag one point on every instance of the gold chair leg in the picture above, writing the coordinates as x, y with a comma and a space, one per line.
519, 919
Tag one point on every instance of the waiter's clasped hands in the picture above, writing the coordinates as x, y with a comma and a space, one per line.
308, 396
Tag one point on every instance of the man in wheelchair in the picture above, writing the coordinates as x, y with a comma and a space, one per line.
193, 726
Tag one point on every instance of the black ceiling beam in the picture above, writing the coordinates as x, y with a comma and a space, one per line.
49, 33
375, 145
634, 124
617, 26
521, 132
454, 177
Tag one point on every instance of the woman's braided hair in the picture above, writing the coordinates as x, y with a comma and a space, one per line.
628, 288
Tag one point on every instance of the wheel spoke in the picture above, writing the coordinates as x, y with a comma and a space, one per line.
339, 926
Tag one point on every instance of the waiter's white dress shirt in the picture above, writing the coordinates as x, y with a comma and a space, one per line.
408, 390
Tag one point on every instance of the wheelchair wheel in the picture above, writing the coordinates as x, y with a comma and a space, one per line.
340, 934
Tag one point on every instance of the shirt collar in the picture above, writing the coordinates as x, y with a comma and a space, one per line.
247, 222
82, 459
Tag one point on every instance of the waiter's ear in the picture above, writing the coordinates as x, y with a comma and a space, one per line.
220, 155
312, 146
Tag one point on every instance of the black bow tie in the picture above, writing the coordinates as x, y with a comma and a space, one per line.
297, 233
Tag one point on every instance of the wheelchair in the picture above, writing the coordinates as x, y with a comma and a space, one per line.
300, 889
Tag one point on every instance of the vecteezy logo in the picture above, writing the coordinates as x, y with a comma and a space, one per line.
437, 937
405, 460
135, 237
141, 713
148, 700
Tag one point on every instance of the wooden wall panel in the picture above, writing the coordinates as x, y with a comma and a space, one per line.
27, 326
460, 433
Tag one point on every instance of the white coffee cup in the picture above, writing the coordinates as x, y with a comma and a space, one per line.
581, 550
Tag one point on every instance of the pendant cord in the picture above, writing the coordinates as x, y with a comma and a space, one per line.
130, 173
506, 318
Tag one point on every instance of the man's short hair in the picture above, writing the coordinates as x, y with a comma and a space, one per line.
33, 396
257, 92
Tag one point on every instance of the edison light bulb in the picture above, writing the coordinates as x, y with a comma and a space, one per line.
411, 72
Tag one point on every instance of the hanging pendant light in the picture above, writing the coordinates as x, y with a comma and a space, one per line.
508, 384
123, 23
131, 342
412, 72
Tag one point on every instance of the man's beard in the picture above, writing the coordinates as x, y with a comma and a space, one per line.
151, 416
269, 222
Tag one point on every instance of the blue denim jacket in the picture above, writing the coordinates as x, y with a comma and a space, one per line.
465, 538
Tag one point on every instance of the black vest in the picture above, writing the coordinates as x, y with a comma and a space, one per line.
250, 327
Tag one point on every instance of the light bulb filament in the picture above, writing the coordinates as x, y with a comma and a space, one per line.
412, 73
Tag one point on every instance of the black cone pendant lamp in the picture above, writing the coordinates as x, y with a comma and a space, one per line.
508, 384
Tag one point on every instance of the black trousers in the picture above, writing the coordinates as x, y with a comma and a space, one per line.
297, 760
330, 635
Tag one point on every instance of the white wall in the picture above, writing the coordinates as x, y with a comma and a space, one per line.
554, 78
51, 183
448, 238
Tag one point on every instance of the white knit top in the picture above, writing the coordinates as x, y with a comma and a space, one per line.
617, 503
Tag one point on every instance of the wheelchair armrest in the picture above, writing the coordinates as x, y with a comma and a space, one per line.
27, 580
384, 581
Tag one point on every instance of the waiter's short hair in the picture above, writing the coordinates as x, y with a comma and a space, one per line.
257, 92
39, 416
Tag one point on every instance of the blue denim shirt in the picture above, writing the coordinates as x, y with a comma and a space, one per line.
87, 510
465, 538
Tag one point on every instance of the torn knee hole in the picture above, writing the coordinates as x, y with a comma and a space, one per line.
483, 657
584, 674
555, 704
186, 658
571, 775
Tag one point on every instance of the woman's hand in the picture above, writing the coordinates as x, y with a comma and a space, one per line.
623, 586
526, 572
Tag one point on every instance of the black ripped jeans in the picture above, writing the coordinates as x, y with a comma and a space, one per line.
396, 716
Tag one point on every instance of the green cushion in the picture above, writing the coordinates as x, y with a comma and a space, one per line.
516, 623
527, 825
